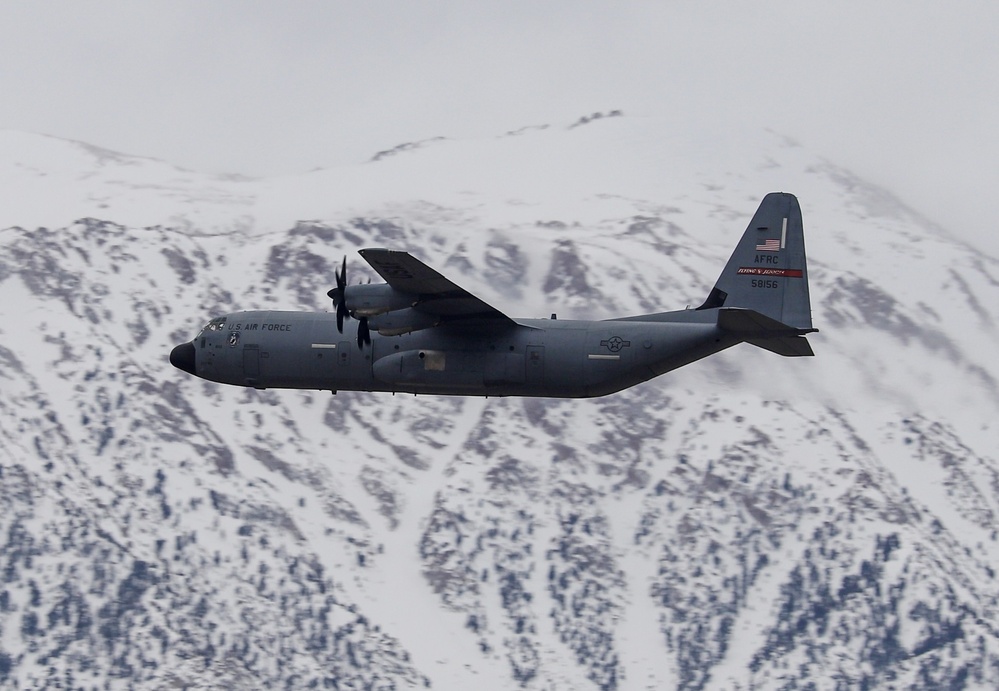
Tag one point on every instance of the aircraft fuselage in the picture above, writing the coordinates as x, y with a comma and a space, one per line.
534, 357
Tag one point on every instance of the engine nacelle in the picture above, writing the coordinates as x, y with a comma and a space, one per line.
403, 321
370, 300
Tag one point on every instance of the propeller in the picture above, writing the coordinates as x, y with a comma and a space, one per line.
338, 295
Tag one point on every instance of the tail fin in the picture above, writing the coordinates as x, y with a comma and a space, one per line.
767, 272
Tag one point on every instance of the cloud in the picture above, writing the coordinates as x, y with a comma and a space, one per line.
902, 93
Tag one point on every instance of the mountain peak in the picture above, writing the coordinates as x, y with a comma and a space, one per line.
745, 522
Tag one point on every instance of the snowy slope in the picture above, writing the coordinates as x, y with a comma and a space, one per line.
747, 522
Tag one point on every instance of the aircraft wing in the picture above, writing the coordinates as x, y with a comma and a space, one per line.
436, 294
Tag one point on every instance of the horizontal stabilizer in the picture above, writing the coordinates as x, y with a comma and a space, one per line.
764, 332
789, 346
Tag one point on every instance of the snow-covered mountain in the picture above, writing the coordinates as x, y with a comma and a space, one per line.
748, 522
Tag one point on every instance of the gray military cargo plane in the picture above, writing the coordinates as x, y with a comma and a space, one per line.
420, 333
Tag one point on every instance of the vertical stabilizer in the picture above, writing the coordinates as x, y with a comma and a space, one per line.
767, 271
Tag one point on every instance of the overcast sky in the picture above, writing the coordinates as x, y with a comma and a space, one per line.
904, 93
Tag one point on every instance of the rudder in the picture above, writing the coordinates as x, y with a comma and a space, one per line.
766, 272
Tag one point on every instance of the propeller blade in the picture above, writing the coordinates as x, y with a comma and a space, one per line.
363, 333
339, 296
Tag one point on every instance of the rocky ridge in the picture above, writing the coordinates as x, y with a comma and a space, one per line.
747, 522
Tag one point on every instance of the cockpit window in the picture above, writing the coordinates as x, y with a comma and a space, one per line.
217, 324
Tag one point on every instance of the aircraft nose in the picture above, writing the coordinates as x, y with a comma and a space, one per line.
182, 357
